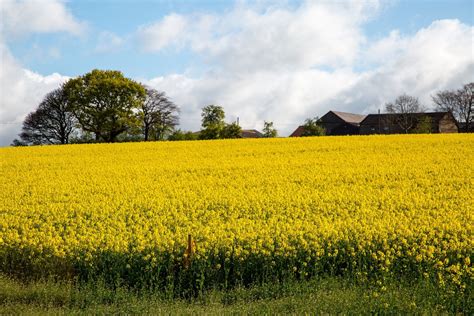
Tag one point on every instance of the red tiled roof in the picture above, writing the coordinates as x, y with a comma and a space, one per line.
298, 132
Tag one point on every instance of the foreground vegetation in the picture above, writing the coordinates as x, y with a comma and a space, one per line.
187, 218
318, 296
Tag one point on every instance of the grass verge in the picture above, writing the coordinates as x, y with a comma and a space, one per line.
328, 295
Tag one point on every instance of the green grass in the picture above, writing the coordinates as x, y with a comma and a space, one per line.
329, 295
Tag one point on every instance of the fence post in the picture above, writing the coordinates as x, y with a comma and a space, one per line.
188, 253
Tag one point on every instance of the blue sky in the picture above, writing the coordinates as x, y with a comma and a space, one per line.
261, 60
123, 17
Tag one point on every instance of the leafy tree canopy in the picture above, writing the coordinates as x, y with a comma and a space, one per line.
268, 130
313, 128
232, 130
212, 118
212, 115
182, 135
104, 102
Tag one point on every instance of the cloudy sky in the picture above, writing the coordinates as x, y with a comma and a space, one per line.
280, 61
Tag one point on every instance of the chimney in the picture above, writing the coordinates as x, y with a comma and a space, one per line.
379, 120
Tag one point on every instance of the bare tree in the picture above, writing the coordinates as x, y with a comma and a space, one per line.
404, 110
446, 101
159, 115
52, 122
459, 102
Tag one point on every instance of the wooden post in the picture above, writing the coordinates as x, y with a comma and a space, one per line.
188, 253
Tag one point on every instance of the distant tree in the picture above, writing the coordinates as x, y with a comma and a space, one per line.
17, 143
232, 130
212, 118
52, 122
312, 127
134, 133
211, 132
405, 108
83, 137
181, 135
459, 102
176, 135
423, 126
159, 115
446, 101
268, 130
105, 102
212, 115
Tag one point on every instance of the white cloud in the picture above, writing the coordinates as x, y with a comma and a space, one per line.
285, 98
21, 90
22, 17
243, 39
436, 57
386, 49
263, 59
168, 32
108, 42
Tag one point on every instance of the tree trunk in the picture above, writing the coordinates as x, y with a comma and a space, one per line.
146, 132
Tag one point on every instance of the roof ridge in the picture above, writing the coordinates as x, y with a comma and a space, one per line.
345, 112
349, 117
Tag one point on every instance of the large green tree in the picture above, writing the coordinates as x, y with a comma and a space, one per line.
105, 102
212, 118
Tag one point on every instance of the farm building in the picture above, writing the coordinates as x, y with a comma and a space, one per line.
436, 122
298, 132
336, 123
250, 133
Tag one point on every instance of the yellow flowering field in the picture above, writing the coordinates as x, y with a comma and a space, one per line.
256, 210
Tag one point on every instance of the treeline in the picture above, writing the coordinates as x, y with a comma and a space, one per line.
100, 106
460, 102
105, 106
